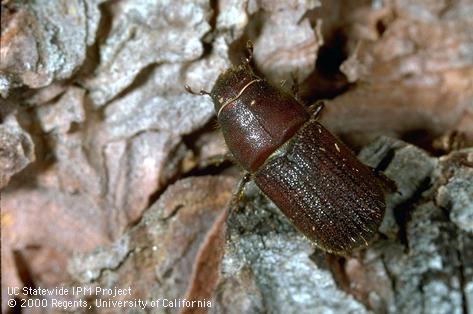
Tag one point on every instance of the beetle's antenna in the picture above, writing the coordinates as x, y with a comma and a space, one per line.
201, 93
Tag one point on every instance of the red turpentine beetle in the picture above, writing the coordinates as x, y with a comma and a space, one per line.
314, 179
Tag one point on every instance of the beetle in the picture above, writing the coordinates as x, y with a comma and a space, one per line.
313, 178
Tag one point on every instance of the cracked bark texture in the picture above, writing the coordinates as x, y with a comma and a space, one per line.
104, 158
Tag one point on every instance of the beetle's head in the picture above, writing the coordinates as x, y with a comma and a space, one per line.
230, 84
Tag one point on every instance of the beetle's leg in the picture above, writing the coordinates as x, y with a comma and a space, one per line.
216, 160
248, 60
249, 49
190, 91
240, 188
385, 182
316, 109
295, 86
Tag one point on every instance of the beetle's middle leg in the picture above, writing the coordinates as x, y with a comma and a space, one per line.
238, 193
295, 87
316, 109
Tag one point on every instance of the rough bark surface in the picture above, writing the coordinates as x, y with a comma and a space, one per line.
106, 170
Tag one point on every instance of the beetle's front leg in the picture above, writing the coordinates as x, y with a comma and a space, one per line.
216, 160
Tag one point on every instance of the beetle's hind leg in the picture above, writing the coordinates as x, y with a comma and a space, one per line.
386, 183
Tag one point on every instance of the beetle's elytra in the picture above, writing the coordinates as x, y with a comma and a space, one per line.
316, 181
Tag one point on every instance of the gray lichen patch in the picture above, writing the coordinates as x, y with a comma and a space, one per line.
456, 195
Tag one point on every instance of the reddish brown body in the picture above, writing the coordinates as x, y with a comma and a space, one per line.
312, 177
